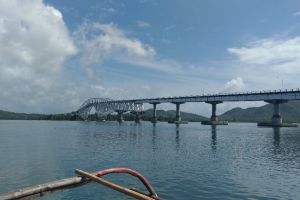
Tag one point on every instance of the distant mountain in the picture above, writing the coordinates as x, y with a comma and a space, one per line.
5, 115
290, 112
19, 116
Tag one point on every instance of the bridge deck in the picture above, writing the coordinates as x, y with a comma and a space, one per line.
249, 96
283, 95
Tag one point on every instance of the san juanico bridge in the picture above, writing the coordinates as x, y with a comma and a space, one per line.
105, 106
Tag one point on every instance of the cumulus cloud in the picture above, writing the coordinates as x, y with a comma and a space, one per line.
34, 44
279, 55
33, 39
234, 85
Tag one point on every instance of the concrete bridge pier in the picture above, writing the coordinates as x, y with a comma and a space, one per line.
276, 118
137, 118
120, 115
178, 117
154, 118
214, 118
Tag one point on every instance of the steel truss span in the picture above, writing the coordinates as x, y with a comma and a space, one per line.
104, 106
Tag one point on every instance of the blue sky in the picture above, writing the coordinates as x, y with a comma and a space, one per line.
189, 31
74, 50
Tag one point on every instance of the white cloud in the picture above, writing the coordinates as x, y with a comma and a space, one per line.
110, 10
92, 74
165, 65
98, 87
279, 55
33, 38
297, 13
34, 45
234, 85
109, 42
143, 24
168, 28
103, 42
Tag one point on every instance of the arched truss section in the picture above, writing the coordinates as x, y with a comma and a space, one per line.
105, 106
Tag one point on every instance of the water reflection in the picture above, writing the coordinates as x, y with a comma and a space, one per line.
177, 137
214, 137
135, 133
276, 141
276, 135
153, 137
120, 128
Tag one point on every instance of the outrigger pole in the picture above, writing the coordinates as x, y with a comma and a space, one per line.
84, 178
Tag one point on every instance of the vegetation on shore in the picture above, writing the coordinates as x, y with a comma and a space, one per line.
146, 116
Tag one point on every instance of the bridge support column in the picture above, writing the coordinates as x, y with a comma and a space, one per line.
120, 115
276, 118
214, 118
154, 118
137, 118
178, 117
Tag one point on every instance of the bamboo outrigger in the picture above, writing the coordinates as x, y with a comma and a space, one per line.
84, 178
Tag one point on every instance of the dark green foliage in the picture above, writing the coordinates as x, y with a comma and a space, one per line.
23, 116
20, 116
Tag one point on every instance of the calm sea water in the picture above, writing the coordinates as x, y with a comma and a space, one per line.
239, 161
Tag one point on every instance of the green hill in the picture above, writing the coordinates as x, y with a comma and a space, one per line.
19, 116
290, 112
5, 115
